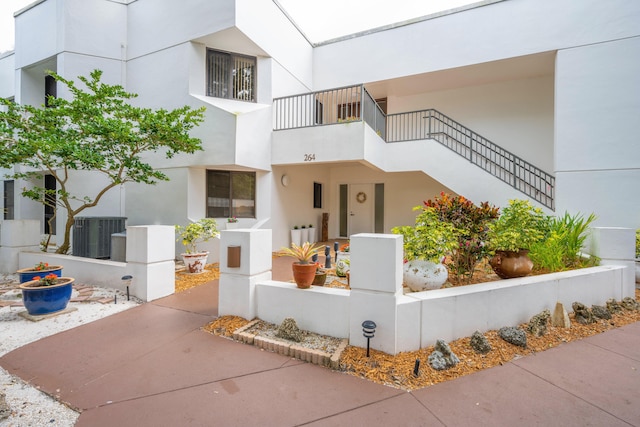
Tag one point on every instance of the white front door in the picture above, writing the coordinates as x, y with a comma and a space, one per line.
360, 209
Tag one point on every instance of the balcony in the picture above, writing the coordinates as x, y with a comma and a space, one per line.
346, 124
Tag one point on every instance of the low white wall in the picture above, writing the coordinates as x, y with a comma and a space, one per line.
150, 262
85, 270
318, 309
412, 321
453, 313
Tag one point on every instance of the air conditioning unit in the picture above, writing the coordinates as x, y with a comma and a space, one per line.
92, 235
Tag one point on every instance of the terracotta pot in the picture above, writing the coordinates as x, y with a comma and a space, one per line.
510, 264
304, 274
41, 300
195, 262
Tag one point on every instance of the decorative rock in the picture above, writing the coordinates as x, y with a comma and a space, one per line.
600, 312
442, 357
480, 343
289, 330
630, 304
420, 275
538, 324
560, 318
583, 313
5, 410
513, 335
614, 306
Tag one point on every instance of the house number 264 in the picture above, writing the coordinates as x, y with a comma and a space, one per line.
309, 157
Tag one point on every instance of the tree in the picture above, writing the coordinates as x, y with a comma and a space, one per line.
96, 130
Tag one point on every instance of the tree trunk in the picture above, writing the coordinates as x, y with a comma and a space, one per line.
66, 245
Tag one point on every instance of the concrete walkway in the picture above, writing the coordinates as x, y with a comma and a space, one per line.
153, 366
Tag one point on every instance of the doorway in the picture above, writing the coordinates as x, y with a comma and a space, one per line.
361, 208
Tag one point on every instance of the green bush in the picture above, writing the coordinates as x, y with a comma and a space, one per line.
519, 226
560, 248
471, 227
430, 239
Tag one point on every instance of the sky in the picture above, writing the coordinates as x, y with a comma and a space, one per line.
334, 18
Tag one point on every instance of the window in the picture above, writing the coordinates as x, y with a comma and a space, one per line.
50, 89
231, 76
231, 194
349, 111
8, 200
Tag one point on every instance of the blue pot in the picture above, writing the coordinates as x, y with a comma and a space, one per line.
46, 299
27, 274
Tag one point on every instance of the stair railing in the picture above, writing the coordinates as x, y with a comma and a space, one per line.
504, 165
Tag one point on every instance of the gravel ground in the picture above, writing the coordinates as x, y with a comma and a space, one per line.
27, 405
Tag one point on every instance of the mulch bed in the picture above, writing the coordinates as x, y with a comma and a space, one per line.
397, 371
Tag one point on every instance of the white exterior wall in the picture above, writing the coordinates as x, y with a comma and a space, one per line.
597, 145
498, 31
7, 75
516, 115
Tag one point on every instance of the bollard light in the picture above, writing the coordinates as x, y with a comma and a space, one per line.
368, 330
336, 246
127, 280
416, 368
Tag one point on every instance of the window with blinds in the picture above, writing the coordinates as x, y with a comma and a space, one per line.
231, 193
231, 76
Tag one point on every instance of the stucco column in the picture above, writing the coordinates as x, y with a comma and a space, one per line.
237, 295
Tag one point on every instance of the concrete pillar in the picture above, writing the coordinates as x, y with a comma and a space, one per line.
17, 236
376, 294
237, 296
151, 260
616, 246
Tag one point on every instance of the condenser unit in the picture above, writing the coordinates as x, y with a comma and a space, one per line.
92, 235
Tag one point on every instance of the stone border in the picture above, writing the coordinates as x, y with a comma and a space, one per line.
316, 357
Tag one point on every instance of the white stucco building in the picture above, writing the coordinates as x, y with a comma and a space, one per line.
503, 99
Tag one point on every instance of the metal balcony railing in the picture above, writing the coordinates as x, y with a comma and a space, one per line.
354, 103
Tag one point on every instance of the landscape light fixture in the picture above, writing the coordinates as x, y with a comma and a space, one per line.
127, 279
368, 330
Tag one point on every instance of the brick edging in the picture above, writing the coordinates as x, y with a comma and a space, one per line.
316, 357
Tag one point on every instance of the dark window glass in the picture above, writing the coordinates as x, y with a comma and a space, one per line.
231, 193
8, 197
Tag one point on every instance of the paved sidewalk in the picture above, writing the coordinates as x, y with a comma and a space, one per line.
152, 365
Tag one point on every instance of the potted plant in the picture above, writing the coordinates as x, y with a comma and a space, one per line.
304, 234
518, 227
296, 235
312, 234
425, 246
232, 223
304, 270
194, 233
343, 260
46, 294
320, 277
40, 269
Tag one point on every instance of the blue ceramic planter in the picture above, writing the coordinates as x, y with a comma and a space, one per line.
47, 299
27, 274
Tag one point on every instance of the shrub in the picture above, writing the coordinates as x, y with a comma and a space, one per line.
519, 226
430, 239
562, 244
471, 227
